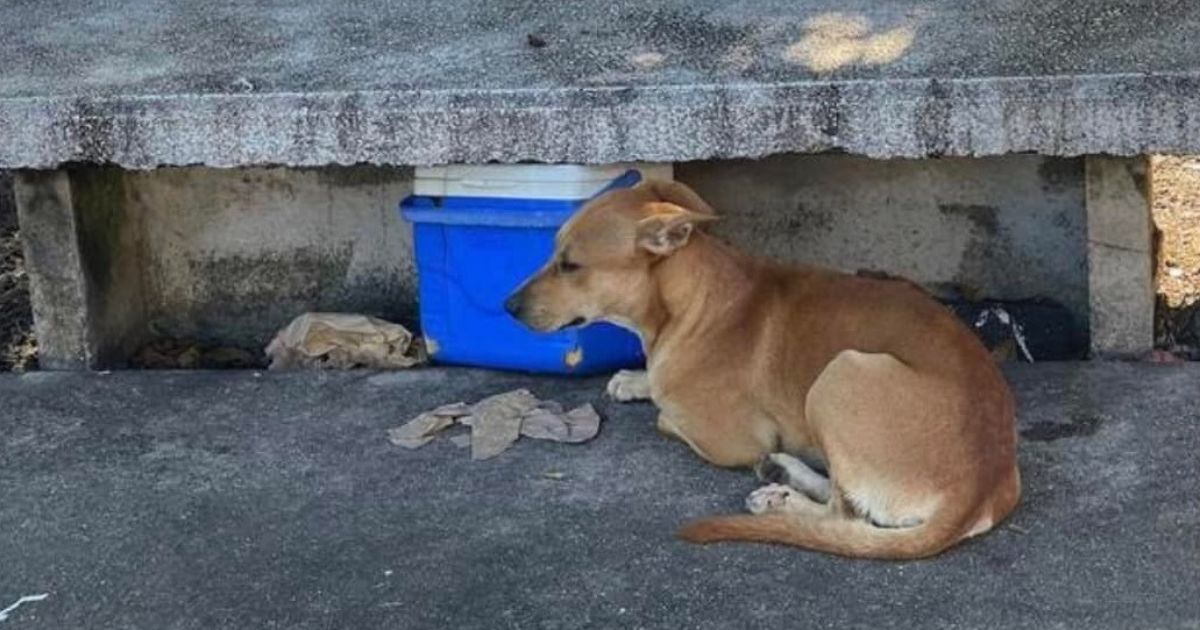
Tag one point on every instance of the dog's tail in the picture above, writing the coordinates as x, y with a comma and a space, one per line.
853, 538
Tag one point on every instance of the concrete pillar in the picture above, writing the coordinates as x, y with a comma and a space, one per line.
83, 259
58, 282
1120, 257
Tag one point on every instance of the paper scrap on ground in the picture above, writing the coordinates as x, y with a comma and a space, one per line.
24, 600
420, 430
577, 425
343, 341
498, 421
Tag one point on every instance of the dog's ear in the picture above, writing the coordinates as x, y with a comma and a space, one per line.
668, 227
678, 194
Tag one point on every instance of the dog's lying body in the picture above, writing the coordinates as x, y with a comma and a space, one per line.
748, 359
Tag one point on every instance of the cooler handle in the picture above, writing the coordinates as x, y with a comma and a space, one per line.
628, 179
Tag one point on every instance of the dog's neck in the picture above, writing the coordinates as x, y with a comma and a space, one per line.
702, 280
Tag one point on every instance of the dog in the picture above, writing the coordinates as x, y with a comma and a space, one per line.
883, 422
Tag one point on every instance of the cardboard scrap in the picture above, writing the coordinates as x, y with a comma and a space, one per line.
543, 424
498, 421
550, 423
420, 431
583, 422
343, 341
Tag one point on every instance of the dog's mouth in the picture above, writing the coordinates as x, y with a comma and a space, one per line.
578, 321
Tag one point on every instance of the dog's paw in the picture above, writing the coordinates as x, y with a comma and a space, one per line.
774, 497
629, 385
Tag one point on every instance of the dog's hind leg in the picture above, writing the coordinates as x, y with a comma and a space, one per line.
781, 468
777, 497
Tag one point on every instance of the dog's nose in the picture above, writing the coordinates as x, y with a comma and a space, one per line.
513, 304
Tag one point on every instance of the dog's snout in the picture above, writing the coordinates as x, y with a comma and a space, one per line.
513, 304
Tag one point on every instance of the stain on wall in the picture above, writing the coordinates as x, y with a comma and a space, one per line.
232, 255
1010, 228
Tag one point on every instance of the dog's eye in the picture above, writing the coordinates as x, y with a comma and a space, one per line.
566, 266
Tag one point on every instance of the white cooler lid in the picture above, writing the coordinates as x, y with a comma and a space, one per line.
526, 181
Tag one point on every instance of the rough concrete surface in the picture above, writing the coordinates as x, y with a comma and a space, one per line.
1008, 228
231, 256
271, 82
1120, 257
216, 256
61, 293
197, 500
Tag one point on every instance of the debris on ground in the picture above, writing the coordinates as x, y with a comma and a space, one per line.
18, 349
498, 421
1175, 191
344, 341
21, 602
421, 430
183, 354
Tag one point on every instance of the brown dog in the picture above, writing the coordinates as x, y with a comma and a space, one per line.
754, 362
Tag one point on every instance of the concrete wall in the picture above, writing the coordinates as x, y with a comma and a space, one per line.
229, 256
1010, 227
118, 258
232, 255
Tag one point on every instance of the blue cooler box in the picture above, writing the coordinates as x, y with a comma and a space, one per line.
472, 253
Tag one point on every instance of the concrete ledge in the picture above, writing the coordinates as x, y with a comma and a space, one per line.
1062, 116
394, 83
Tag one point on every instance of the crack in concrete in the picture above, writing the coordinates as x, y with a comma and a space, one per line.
1122, 248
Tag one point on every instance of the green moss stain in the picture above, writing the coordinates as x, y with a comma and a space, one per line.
101, 216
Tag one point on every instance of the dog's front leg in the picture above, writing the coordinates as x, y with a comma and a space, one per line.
629, 385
